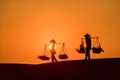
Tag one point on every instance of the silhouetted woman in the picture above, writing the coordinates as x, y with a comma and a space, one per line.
52, 50
88, 46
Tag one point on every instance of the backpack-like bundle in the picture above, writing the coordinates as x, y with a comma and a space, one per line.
97, 49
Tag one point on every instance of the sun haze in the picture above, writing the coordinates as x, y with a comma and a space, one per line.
26, 26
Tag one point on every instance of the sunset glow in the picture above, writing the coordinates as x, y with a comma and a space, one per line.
50, 46
26, 26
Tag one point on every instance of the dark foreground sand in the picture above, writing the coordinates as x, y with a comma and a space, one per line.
97, 69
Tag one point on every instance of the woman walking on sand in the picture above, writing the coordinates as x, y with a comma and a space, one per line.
52, 50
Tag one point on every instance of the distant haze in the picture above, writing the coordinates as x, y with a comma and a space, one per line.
27, 25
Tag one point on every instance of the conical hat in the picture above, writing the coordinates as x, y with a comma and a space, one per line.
53, 41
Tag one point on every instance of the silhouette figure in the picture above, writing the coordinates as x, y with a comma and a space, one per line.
52, 50
88, 46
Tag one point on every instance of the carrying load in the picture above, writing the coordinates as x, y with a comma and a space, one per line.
88, 40
51, 49
97, 49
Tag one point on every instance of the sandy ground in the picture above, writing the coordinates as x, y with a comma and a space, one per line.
97, 69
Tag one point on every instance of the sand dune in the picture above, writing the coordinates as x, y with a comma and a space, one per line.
97, 69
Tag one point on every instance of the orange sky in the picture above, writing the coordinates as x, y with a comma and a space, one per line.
26, 25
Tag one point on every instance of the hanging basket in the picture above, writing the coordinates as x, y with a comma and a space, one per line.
63, 56
63, 52
97, 50
81, 50
97, 47
43, 57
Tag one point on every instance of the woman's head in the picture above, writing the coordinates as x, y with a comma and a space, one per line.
87, 35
